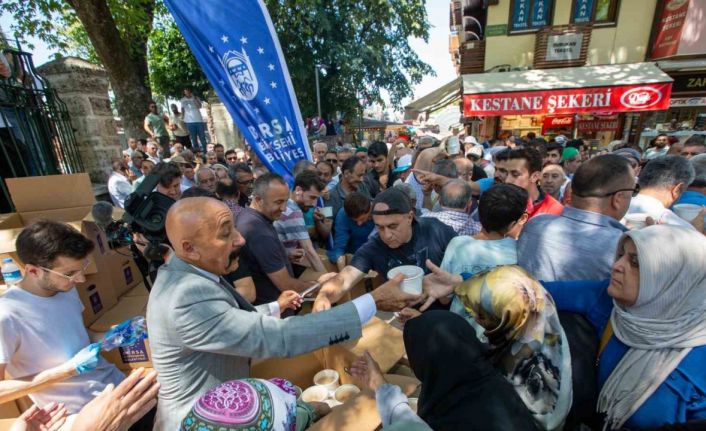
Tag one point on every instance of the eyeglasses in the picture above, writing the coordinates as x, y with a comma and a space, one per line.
635, 191
333, 161
71, 278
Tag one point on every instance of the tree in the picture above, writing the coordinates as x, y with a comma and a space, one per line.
363, 43
171, 63
117, 31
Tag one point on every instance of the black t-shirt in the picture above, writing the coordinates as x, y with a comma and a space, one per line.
242, 272
478, 173
263, 253
429, 240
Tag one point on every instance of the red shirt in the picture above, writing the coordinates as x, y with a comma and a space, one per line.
546, 204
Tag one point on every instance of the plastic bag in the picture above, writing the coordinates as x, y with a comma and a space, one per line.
125, 334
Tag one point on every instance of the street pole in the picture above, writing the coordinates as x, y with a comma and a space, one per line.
318, 92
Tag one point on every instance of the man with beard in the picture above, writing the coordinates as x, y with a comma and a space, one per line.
204, 333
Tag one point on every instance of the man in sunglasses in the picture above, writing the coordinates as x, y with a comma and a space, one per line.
580, 243
41, 326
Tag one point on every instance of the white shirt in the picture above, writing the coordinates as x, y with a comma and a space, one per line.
119, 188
38, 333
190, 110
643, 203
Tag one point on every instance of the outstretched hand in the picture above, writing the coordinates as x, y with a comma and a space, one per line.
439, 284
389, 296
289, 299
368, 372
48, 418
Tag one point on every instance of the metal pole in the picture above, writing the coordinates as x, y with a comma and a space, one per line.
318, 93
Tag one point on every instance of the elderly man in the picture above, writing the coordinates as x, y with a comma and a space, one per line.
153, 152
402, 239
206, 179
455, 204
553, 180
602, 189
204, 333
119, 186
353, 171
319, 150
662, 182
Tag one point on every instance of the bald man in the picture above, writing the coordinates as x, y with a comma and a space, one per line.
203, 333
553, 180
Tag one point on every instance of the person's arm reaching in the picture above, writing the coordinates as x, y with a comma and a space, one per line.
246, 288
311, 255
322, 224
283, 281
336, 287
341, 236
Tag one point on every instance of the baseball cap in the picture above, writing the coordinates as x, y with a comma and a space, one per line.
361, 150
628, 153
396, 200
476, 150
178, 159
470, 140
404, 163
569, 153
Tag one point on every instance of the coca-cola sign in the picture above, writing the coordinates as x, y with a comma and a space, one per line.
622, 98
641, 98
565, 122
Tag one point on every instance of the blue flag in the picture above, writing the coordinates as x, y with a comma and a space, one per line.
235, 43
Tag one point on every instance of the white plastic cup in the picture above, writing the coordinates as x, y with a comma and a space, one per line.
345, 392
687, 211
327, 211
315, 394
413, 278
327, 379
636, 220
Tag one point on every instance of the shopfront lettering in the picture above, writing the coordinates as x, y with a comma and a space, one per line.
646, 97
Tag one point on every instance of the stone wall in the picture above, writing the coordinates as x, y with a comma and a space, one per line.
83, 87
227, 133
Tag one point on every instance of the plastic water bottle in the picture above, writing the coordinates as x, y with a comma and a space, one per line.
11, 272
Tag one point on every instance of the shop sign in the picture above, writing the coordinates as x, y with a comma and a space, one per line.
597, 125
686, 102
625, 98
496, 30
565, 122
691, 83
564, 47
679, 21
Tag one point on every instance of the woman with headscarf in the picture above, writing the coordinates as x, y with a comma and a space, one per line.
652, 317
461, 389
250, 404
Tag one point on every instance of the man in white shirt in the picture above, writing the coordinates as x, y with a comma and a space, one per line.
119, 186
41, 327
190, 106
662, 181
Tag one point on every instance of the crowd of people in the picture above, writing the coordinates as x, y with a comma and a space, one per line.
561, 288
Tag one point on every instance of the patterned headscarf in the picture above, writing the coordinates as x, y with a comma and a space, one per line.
665, 323
527, 343
246, 404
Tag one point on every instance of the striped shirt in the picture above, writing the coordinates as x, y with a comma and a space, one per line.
291, 227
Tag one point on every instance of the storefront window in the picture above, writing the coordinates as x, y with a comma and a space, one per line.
601, 12
530, 15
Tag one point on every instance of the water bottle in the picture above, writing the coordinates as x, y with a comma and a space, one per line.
11, 272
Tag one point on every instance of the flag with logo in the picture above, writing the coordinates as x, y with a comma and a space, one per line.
237, 47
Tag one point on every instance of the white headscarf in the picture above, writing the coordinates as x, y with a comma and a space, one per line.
665, 323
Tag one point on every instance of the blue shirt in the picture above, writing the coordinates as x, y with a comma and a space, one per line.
485, 184
348, 236
576, 245
682, 395
692, 197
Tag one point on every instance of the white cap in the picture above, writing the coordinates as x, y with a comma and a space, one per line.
476, 150
470, 140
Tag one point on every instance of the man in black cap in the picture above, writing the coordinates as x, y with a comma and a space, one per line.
401, 239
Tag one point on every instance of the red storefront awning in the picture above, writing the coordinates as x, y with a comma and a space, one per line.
573, 90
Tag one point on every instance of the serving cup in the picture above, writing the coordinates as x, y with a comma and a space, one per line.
413, 403
327, 211
315, 394
687, 211
344, 392
636, 220
327, 379
413, 278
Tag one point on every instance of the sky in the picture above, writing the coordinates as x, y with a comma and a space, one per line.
435, 52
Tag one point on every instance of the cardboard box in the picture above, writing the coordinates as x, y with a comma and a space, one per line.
384, 343
64, 198
97, 295
125, 358
9, 410
139, 290
123, 271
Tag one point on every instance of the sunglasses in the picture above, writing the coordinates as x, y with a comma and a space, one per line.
334, 161
635, 191
231, 158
